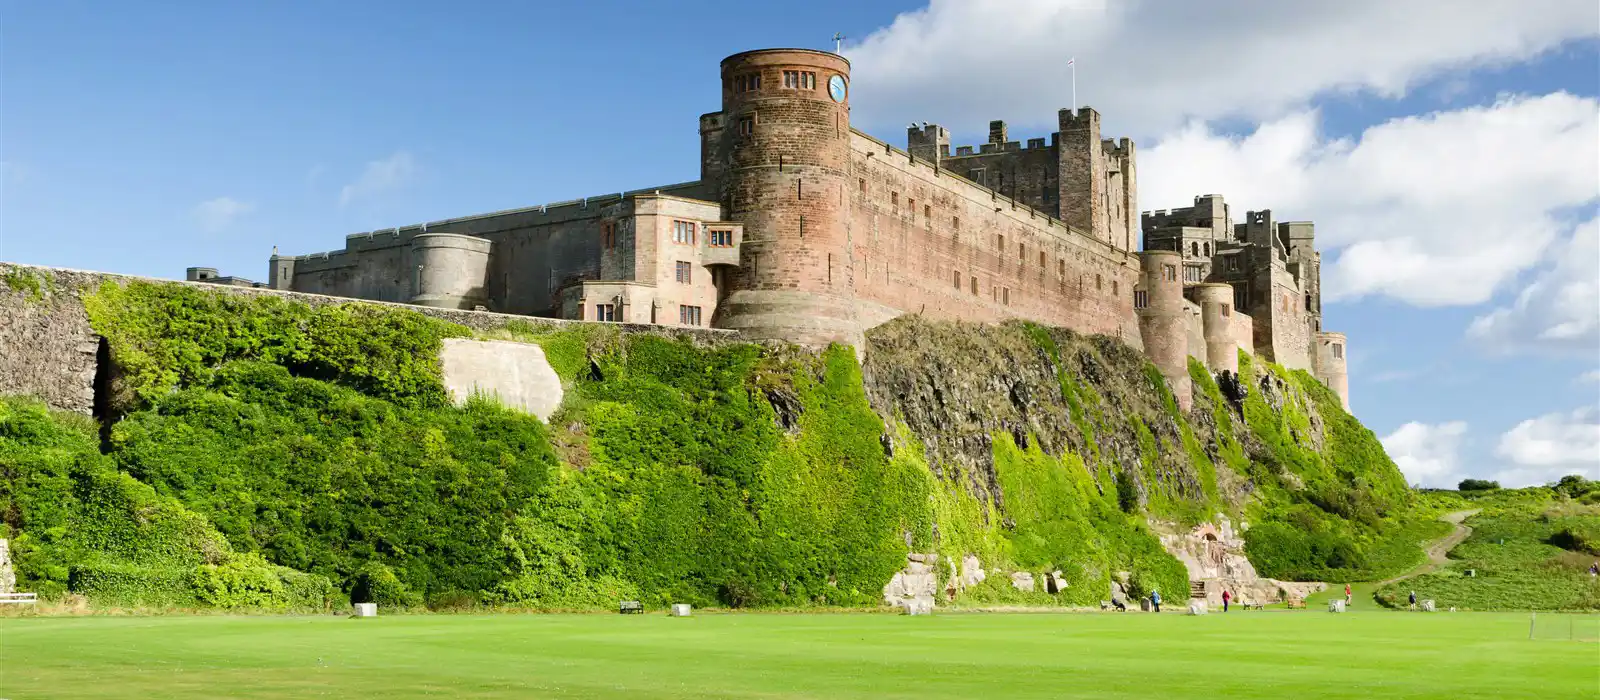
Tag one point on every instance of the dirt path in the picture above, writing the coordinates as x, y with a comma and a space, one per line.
1439, 547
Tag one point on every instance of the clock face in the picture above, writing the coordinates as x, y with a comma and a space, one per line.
836, 88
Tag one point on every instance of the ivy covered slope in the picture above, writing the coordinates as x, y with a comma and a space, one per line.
989, 404
269, 454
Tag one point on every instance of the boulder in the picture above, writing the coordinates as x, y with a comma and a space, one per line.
1427, 606
1197, 607
366, 609
1022, 581
1336, 606
914, 586
680, 609
917, 606
972, 572
1055, 582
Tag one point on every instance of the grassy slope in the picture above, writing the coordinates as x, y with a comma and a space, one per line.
1250, 655
1517, 568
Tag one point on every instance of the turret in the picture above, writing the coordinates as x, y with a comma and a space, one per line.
1162, 322
1216, 317
785, 139
1330, 365
452, 270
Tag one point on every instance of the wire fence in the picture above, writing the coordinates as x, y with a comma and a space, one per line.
1564, 626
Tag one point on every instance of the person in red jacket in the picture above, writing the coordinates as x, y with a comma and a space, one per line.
1226, 596
1347, 594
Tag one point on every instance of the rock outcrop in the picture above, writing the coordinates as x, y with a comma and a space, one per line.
912, 589
1214, 555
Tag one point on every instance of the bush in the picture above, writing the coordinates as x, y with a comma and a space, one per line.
1477, 485
376, 583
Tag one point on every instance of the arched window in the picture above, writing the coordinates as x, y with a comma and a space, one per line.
1194, 248
1208, 250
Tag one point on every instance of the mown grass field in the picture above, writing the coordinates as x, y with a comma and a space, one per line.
1235, 655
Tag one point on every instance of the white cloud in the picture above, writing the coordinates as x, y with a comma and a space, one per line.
380, 177
1559, 311
1437, 209
1149, 65
217, 214
1428, 454
1591, 376
1550, 446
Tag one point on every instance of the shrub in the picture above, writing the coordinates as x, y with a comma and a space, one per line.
1477, 485
376, 583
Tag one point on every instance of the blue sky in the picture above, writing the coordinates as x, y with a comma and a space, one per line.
144, 139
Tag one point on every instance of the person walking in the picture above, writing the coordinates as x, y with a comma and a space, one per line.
1594, 569
1413, 600
1226, 596
1347, 594
1155, 600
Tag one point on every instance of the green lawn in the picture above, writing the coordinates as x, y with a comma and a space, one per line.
1237, 655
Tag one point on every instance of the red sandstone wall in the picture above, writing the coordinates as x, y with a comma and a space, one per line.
908, 247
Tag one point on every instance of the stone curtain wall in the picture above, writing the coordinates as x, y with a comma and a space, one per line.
46, 346
908, 247
48, 349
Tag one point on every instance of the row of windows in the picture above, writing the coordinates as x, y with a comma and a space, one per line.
687, 315
800, 80
1003, 294
792, 79
683, 232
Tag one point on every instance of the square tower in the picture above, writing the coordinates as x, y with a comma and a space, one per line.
1097, 183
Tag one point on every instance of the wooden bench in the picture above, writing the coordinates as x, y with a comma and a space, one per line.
631, 606
1296, 604
19, 598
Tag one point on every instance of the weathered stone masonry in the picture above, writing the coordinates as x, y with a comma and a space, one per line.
803, 229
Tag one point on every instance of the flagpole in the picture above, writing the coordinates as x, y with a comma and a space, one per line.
1073, 64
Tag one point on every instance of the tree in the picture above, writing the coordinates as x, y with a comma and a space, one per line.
1478, 485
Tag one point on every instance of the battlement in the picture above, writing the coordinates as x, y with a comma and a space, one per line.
1085, 118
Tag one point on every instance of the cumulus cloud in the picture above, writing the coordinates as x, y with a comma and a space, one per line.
380, 177
1591, 376
1550, 446
1150, 65
1559, 311
1429, 455
1436, 209
214, 215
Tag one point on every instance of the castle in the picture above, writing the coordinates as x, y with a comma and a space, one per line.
803, 229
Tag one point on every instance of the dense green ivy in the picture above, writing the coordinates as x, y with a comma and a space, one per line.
166, 336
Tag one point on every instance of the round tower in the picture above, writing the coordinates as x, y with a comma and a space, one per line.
1216, 317
1330, 365
451, 270
1163, 323
786, 151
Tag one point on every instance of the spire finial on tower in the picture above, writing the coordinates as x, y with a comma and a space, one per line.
838, 42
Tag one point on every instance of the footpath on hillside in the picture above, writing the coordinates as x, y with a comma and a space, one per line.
1362, 593
1439, 547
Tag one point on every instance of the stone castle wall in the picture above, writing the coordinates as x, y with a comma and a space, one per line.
49, 350
914, 228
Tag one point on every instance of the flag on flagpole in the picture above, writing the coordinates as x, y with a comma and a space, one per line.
1070, 60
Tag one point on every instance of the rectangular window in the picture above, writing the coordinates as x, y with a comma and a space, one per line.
958, 279
747, 126
1140, 299
1005, 296
1099, 283
685, 272
605, 312
689, 315
683, 232
861, 182
1338, 350
1041, 260
608, 234
980, 176
974, 284
791, 79
721, 239
1238, 297
911, 208
1000, 242
1114, 291
1061, 268
747, 83
1227, 310
1169, 273
1022, 254
799, 80
927, 213
894, 200
955, 223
